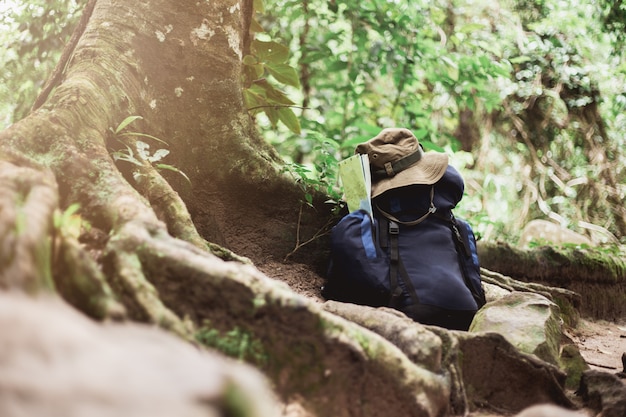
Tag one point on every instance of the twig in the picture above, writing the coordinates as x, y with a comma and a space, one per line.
601, 366
321, 232
274, 106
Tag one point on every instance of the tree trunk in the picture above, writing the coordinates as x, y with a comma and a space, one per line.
132, 251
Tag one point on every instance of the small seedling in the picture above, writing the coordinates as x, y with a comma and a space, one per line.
135, 151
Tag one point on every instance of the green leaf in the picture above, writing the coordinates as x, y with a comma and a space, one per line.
368, 128
271, 52
520, 59
420, 133
272, 114
61, 219
259, 70
449, 61
274, 96
337, 66
289, 118
471, 27
253, 99
172, 168
126, 122
284, 73
249, 60
429, 146
353, 142
258, 6
255, 26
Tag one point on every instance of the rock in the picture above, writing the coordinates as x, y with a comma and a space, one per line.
56, 362
568, 301
549, 410
573, 363
604, 393
497, 375
494, 292
543, 230
529, 321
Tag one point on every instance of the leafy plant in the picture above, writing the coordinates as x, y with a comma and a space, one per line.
268, 60
32, 34
69, 222
320, 177
135, 151
535, 98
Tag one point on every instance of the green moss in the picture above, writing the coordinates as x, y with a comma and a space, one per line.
236, 403
365, 344
569, 313
573, 364
236, 343
608, 260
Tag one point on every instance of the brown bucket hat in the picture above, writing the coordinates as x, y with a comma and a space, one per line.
397, 160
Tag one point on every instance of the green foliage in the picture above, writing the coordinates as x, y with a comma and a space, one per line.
267, 61
32, 35
321, 174
134, 151
236, 343
373, 64
614, 20
69, 221
529, 74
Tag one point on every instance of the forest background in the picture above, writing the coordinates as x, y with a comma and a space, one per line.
527, 97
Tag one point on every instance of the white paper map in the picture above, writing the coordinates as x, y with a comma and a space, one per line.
356, 179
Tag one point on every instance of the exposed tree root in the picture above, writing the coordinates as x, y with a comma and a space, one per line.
28, 199
81, 282
124, 266
515, 285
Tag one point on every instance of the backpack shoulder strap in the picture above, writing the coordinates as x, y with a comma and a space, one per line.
390, 231
431, 210
464, 249
460, 240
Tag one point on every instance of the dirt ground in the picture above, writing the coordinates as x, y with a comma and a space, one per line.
601, 343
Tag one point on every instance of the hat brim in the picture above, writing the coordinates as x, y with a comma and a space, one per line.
428, 170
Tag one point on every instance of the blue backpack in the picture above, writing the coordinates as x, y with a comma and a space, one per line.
412, 255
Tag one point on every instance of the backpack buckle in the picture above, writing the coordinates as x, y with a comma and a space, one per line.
394, 229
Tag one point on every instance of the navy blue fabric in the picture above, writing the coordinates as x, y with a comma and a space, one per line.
412, 201
446, 281
359, 270
429, 254
470, 262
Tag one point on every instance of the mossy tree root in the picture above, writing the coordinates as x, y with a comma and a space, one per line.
28, 199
